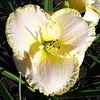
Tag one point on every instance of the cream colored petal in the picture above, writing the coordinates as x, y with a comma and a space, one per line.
92, 13
76, 32
53, 28
23, 28
93, 5
50, 30
67, 19
52, 77
89, 2
84, 44
62, 13
91, 16
70, 22
81, 5
93, 2
24, 65
81, 36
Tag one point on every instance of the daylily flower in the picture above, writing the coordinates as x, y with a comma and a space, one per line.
49, 49
81, 5
90, 7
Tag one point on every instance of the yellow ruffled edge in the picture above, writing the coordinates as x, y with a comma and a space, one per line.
10, 39
89, 41
69, 11
73, 79
9, 36
66, 11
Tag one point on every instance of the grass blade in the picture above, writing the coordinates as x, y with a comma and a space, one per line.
94, 58
10, 75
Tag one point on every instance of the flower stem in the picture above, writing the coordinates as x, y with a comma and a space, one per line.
20, 86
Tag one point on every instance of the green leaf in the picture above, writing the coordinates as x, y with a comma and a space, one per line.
97, 40
48, 5
88, 92
94, 58
54, 98
10, 75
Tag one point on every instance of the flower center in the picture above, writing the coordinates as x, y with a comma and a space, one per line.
51, 44
55, 47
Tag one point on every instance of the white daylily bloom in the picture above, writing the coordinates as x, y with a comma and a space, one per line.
49, 50
90, 7
92, 14
82, 4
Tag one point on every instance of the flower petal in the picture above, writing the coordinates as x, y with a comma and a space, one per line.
76, 31
52, 77
53, 28
23, 28
50, 30
91, 16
